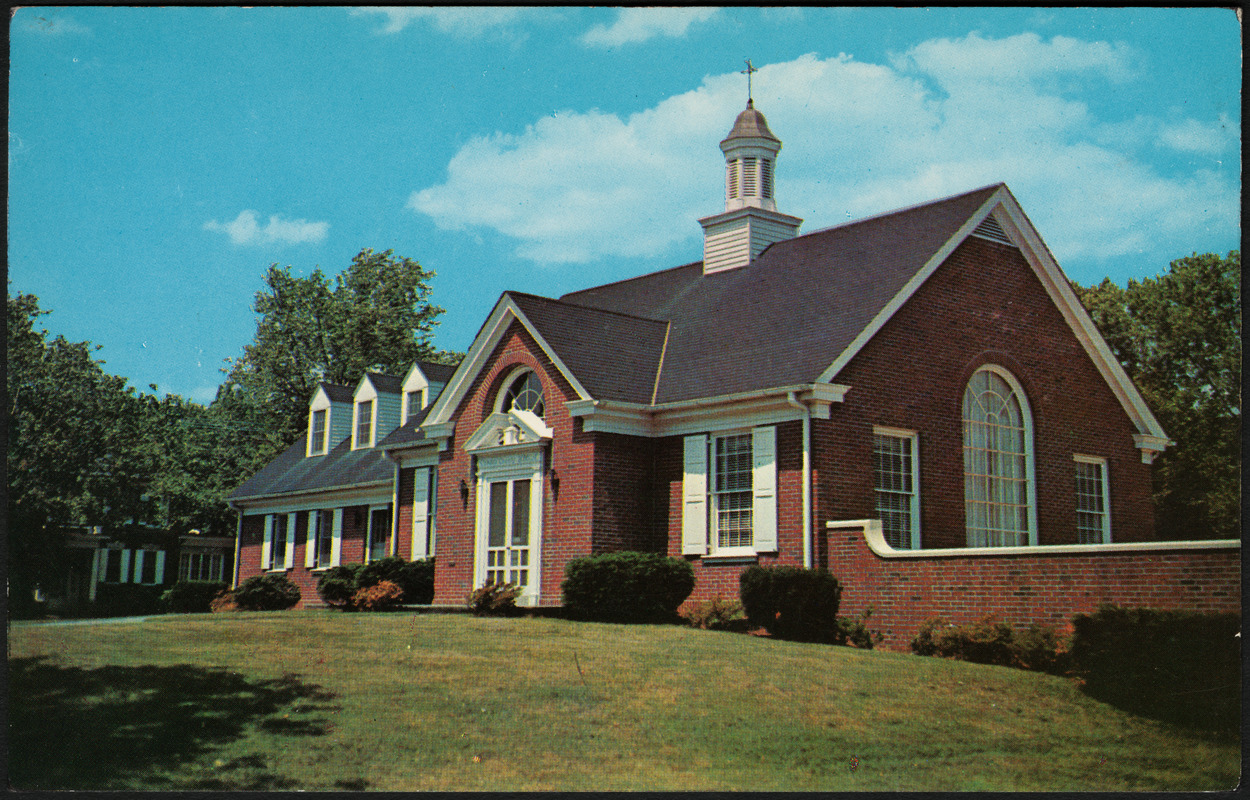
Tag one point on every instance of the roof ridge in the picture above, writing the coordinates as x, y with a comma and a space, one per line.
627, 280
902, 210
591, 308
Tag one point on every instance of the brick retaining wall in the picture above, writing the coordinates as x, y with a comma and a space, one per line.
1046, 585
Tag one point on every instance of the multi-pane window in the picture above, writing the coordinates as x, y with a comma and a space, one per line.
277, 543
145, 568
323, 537
525, 393
732, 490
894, 462
112, 566
379, 532
1093, 522
996, 445
364, 423
318, 444
201, 567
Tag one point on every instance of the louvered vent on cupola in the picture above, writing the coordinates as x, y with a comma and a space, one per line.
992, 230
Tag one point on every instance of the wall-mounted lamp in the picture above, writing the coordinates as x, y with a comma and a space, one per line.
555, 483
464, 491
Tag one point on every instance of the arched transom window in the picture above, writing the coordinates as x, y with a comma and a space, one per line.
524, 392
998, 433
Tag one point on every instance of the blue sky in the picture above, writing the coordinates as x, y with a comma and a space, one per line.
161, 158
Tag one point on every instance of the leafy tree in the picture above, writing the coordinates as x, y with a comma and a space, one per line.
1179, 337
374, 317
78, 451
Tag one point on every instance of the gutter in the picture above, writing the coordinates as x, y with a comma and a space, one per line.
792, 399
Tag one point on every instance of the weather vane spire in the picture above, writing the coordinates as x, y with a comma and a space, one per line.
747, 72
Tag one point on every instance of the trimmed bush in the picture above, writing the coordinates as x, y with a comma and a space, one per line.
495, 600
991, 640
792, 602
266, 593
338, 585
626, 587
222, 603
717, 614
1180, 666
855, 632
126, 600
383, 596
192, 597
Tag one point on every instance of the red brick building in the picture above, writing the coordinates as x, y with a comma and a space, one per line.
926, 376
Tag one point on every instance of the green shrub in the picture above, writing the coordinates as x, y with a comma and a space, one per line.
126, 600
192, 597
383, 596
338, 585
626, 587
266, 593
792, 602
717, 614
415, 578
855, 632
1181, 666
495, 600
991, 640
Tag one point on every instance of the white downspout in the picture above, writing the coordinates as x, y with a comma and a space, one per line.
792, 399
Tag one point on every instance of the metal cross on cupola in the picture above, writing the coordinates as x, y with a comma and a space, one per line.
748, 72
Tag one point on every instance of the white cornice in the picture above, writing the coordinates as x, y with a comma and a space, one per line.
741, 409
484, 344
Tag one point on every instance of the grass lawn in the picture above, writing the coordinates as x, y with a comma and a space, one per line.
324, 700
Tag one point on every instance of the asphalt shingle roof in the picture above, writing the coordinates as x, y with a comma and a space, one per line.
294, 473
785, 317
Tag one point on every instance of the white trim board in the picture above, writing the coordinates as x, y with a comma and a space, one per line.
1012, 218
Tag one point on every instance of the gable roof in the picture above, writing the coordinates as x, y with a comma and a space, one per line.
336, 392
581, 336
794, 316
387, 384
781, 319
436, 373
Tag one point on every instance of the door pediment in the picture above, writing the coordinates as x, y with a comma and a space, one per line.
505, 429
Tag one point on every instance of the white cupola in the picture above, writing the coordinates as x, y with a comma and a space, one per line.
750, 221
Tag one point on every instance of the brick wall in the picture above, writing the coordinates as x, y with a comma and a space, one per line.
567, 519
1046, 586
355, 525
983, 305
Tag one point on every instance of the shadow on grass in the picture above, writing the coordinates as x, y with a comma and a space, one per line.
149, 727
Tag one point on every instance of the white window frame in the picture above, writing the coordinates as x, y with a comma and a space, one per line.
1030, 481
369, 529
512, 378
714, 497
913, 437
272, 561
372, 403
1105, 489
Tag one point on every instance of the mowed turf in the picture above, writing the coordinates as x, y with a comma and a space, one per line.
326, 701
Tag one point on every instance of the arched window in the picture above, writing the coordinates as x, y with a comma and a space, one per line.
998, 456
524, 392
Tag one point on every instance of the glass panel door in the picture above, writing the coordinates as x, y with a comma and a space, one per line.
379, 532
508, 533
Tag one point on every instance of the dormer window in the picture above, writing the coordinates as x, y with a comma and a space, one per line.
413, 402
364, 424
317, 444
524, 393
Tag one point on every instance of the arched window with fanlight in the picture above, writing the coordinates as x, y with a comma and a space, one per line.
523, 392
998, 461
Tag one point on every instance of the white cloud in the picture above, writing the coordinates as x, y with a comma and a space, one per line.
860, 138
1193, 136
460, 21
246, 230
634, 25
